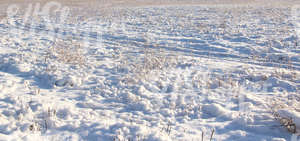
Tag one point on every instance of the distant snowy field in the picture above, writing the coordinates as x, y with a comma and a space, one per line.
153, 73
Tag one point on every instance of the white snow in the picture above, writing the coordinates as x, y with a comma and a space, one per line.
155, 73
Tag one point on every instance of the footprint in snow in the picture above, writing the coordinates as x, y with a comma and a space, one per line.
64, 82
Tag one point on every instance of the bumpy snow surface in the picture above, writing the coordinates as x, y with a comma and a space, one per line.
152, 73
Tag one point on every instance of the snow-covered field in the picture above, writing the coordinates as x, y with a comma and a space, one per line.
152, 73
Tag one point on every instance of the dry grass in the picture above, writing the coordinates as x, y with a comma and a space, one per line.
69, 52
152, 62
286, 122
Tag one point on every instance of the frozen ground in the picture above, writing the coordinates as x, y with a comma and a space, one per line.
152, 73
